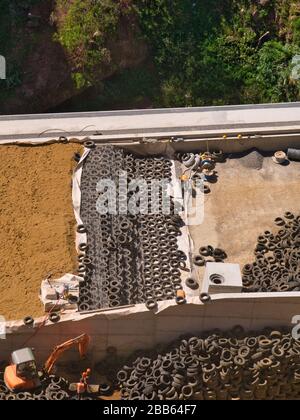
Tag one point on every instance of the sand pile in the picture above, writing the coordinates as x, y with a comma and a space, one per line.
36, 223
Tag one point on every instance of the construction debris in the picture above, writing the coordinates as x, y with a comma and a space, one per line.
62, 293
280, 158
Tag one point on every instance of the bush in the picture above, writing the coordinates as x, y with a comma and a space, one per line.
208, 51
83, 32
205, 52
274, 71
296, 31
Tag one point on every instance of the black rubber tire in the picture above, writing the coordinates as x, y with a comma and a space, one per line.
83, 247
87, 261
54, 317
187, 392
279, 221
205, 298
204, 251
151, 304
219, 253
288, 215
22, 396
199, 261
122, 376
28, 321
81, 229
77, 157
105, 389
180, 300
206, 189
89, 144
218, 156
72, 299
192, 283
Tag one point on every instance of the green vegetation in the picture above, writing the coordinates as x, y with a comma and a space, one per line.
132, 88
296, 31
211, 51
84, 33
201, 52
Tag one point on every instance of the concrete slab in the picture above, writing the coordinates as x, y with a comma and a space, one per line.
243, 204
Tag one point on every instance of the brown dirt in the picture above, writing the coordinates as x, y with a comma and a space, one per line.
36, 223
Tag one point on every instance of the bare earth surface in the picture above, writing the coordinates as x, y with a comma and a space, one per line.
243, 204
36, 223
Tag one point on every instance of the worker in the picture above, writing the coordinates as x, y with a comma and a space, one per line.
80, 389
82, 386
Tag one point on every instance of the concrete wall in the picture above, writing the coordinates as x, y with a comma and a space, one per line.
133, 328
229, 145
205, 123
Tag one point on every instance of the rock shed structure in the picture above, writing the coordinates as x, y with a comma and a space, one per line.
249, 193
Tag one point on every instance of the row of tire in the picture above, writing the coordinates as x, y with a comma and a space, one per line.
52, 388
217, 366
277, 259
131, 258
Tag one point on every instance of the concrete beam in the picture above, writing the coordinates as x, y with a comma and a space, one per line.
189, 123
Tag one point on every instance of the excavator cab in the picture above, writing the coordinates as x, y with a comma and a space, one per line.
22, 374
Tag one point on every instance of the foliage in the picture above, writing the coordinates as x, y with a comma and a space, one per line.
296, 30
205, 52
273, 73
210, 51
131, 88
86, 26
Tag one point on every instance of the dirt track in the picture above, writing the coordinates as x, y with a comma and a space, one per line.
36, 223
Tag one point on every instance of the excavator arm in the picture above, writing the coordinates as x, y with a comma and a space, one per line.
83, 343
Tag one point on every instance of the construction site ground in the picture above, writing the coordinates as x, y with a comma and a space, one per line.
251, 191
37, 220
36, 223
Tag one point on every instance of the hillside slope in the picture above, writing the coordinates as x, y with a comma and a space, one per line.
86, 54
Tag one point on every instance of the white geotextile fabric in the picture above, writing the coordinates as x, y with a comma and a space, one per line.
185, 242
76, 197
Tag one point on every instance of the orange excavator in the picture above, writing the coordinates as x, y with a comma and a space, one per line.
23, 375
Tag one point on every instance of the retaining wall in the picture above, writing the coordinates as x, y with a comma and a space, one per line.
144, 329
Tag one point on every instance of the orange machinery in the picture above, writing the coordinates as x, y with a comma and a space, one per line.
23, 375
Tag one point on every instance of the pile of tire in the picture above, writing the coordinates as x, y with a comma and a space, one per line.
208, 254
217, 366
129, 258
277, 259
52, 388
